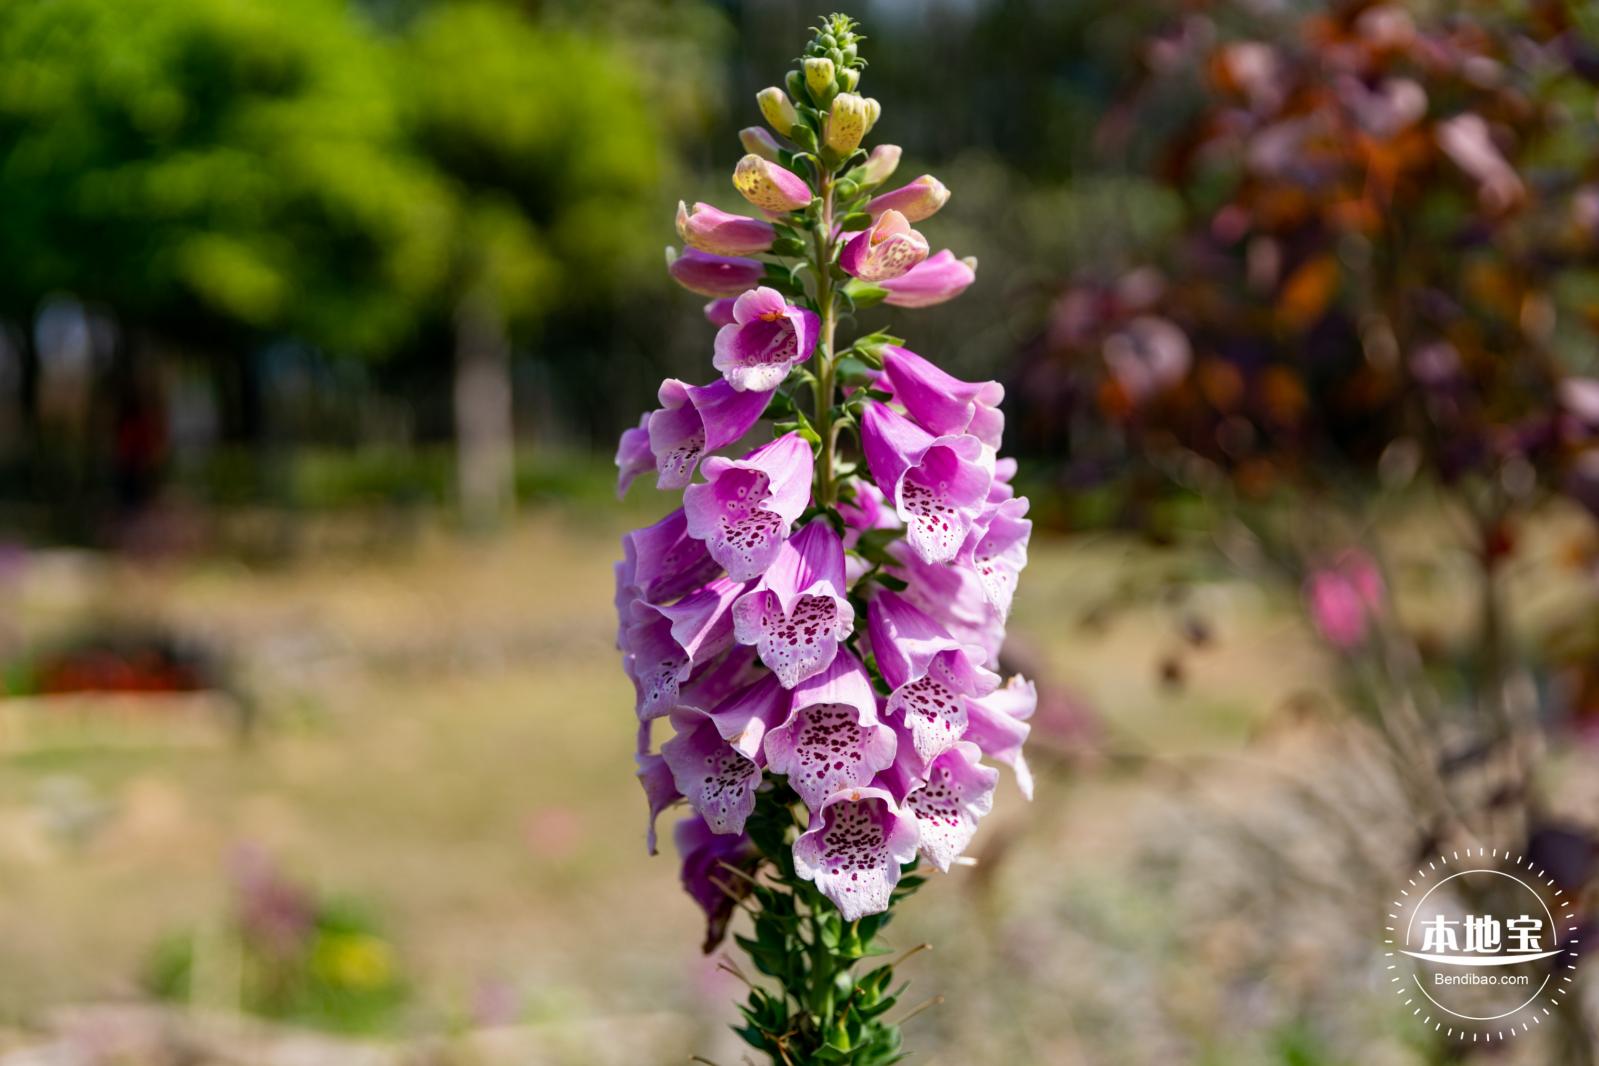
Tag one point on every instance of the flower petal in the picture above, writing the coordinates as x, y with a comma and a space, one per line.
854, 848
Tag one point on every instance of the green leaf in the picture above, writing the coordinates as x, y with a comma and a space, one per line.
788, 246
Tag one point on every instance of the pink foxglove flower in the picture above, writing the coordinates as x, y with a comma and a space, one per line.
832, 739
919, 199
942, 403
953, 596
744, 508
709, 872
664, 645
694, 420
660, 790
757, 141
768, 338
956, 793
746, 715
937, 279
929, 673
938, 484
661, 562
718, 780
811, 745
711, 229
633, 455
996, 548
888, 249
797, 613
854, 849
715, 275
880, 165
770, 187
997, 724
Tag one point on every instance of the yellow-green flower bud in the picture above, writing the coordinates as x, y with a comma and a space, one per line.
777, 109
848, 79
874, 111
846, 123
819, 80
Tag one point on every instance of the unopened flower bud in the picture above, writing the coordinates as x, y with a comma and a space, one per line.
777, 109
714, 275
879, 166
796, 84
846, 124
758, 142
916, 200
819, 80
770, 187
848, 79
939, 278
710, 229
874, 111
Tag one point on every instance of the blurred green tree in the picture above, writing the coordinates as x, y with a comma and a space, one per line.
212, 165
216, 174
549, 147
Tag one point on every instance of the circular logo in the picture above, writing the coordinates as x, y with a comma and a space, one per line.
1482, 945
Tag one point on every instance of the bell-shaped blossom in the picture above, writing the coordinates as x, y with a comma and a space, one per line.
715, 275
854, 848
661, 562
954, 597
633, 455
931, 675
997, 724
955, 793
768, 338
832, 739
798, 612
937, 279
706, 857
719, 312
888, 249
770, 187
745, 716
996, 549
744, 508
664, 644
711, 229
717, 779
941, 403
916, 200
694, 420
938, 484
721, 679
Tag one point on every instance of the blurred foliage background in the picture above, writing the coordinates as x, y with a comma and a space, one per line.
318, 322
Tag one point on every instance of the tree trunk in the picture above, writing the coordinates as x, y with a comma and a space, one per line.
484, 434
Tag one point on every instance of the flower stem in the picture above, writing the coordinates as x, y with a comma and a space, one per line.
826, 492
